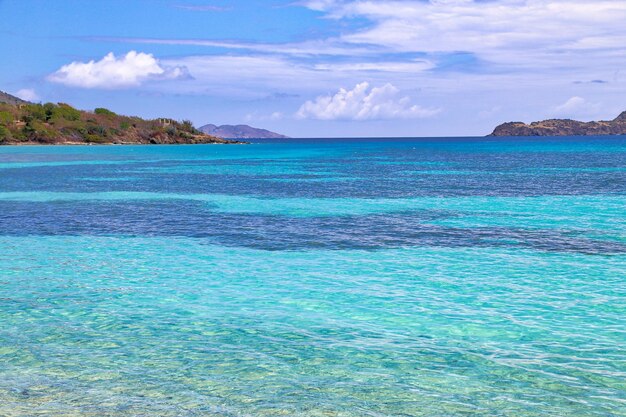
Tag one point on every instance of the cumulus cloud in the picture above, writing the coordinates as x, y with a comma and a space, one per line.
27, 94
573, 103
363, 103
577, 107
130, 70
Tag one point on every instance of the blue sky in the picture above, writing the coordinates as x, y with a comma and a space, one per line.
323, 68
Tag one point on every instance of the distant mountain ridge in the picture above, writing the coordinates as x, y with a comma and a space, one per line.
563, 127
239, 132
9, 99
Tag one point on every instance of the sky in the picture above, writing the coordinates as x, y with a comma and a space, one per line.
323, 68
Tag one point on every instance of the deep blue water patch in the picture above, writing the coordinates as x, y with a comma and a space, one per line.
273, 232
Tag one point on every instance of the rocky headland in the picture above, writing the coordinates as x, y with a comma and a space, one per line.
563, 127
23, 123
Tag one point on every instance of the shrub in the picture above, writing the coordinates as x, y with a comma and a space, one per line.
37, 130
67, 112
97, 130
5, 134
104, 112
5, 118
36, 111
187, 126
49, 110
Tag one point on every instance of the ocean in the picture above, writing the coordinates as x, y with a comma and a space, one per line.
345, 277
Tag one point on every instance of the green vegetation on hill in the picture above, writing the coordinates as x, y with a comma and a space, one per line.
61, 123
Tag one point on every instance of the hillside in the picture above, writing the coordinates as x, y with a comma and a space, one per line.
9, 99
28, 123
563, 127
240, 132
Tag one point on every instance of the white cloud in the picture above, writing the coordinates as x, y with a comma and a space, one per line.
577, 107
27, 94
574, 103
324, 47
320, 5
255, 117
248, 77
256, 76
541, 32
409, 67
276, 116
363, 103
196, 8
130, 70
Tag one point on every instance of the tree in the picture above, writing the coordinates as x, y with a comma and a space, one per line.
104, 112
36, 111
5, 118
5, 134
49, 110
187, 126
67, 112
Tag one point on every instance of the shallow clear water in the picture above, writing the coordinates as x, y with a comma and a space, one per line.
458, 277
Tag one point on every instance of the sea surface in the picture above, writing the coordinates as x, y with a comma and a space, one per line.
363, 277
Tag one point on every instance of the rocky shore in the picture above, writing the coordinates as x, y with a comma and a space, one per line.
563, 127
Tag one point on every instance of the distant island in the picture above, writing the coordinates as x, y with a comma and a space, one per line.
563, 127
240, 132
22, 122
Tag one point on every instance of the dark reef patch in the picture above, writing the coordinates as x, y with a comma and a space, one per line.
271, 232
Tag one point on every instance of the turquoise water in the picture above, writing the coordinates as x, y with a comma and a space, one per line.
460, 277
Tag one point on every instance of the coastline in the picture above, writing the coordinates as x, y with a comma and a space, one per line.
61, 124
563, 127
31, 143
